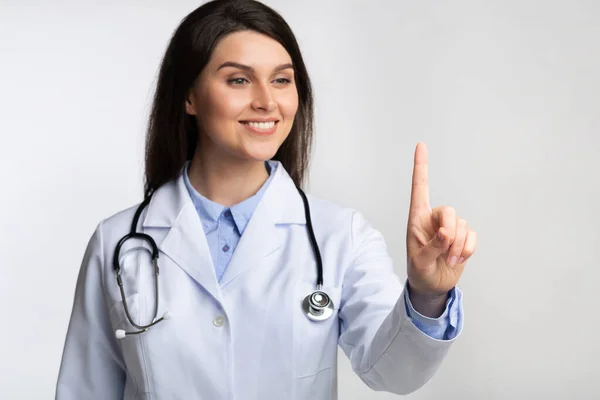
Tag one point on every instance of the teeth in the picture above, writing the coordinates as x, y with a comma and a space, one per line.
261, 125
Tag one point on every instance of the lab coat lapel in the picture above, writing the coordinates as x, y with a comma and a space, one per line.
185, 242
260, 242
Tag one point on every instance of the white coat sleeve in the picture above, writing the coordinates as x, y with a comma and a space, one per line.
91, 366
386, 350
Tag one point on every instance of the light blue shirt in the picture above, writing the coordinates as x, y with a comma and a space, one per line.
224, 226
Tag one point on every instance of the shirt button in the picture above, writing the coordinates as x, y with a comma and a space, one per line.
219, 321
227, 214
225, 248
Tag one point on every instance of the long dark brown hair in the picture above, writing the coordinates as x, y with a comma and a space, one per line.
172, 134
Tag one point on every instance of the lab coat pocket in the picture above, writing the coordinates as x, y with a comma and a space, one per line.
315, 342
132, 345
315, 387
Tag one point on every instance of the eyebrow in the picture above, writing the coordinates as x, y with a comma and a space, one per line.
250, 69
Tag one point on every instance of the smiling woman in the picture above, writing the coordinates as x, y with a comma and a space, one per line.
233, 64
228, 281
245, 101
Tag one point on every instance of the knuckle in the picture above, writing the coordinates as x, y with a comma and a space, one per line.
472, 238
456, 248
452, 239
448, 211
456, 253
469, 247
461, 229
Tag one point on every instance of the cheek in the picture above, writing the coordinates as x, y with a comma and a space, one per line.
223, 106
288, 106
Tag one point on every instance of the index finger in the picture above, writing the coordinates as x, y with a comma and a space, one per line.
419, 198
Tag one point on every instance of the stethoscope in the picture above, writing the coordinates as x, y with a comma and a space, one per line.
317, 306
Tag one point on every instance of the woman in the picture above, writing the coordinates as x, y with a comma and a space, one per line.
228, 145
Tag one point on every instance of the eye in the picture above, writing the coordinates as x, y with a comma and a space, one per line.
237, 81
283, 81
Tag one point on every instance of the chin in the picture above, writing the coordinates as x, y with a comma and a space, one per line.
262, 152
260, 156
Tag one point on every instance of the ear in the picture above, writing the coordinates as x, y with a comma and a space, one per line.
189, 104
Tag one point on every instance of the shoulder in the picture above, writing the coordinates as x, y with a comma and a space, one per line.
338, 220
115, 225
323, 209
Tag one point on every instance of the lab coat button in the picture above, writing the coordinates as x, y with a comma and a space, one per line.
219, 321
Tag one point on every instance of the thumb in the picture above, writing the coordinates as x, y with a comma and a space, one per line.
435, 247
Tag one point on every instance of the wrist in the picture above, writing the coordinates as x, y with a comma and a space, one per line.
429, 304
426, 295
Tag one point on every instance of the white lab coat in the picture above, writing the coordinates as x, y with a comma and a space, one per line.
265, 347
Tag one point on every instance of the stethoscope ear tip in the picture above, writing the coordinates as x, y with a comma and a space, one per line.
167, 315
120, 334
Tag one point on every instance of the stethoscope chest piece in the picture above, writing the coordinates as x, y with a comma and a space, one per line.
317, 306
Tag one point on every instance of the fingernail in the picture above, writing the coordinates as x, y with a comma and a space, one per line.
461, 260
453, 260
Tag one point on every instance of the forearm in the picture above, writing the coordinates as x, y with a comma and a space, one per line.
401, 358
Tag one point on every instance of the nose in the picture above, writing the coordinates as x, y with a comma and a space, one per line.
263, 99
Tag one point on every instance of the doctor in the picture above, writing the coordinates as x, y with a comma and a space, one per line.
227, 149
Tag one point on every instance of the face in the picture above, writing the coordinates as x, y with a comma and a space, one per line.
245, 99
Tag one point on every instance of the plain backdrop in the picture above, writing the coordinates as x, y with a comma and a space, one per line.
504, 93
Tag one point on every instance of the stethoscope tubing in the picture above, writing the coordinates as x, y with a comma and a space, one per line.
316, 305
313, 240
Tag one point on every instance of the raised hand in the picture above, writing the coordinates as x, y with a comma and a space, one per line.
438, 242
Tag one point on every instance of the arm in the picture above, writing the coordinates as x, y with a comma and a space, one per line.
91, 366
387, 351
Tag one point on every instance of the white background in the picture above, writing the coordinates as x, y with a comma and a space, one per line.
504, 93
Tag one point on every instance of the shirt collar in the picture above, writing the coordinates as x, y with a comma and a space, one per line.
210, 212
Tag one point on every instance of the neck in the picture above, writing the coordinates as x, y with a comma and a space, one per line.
227, 181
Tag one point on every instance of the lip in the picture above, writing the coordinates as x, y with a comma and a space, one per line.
269, 119
261, 132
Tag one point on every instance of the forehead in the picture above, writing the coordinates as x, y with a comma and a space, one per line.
250, 48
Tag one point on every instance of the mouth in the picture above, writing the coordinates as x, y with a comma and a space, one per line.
261, 128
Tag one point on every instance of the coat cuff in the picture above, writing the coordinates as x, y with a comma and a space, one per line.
447, 326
